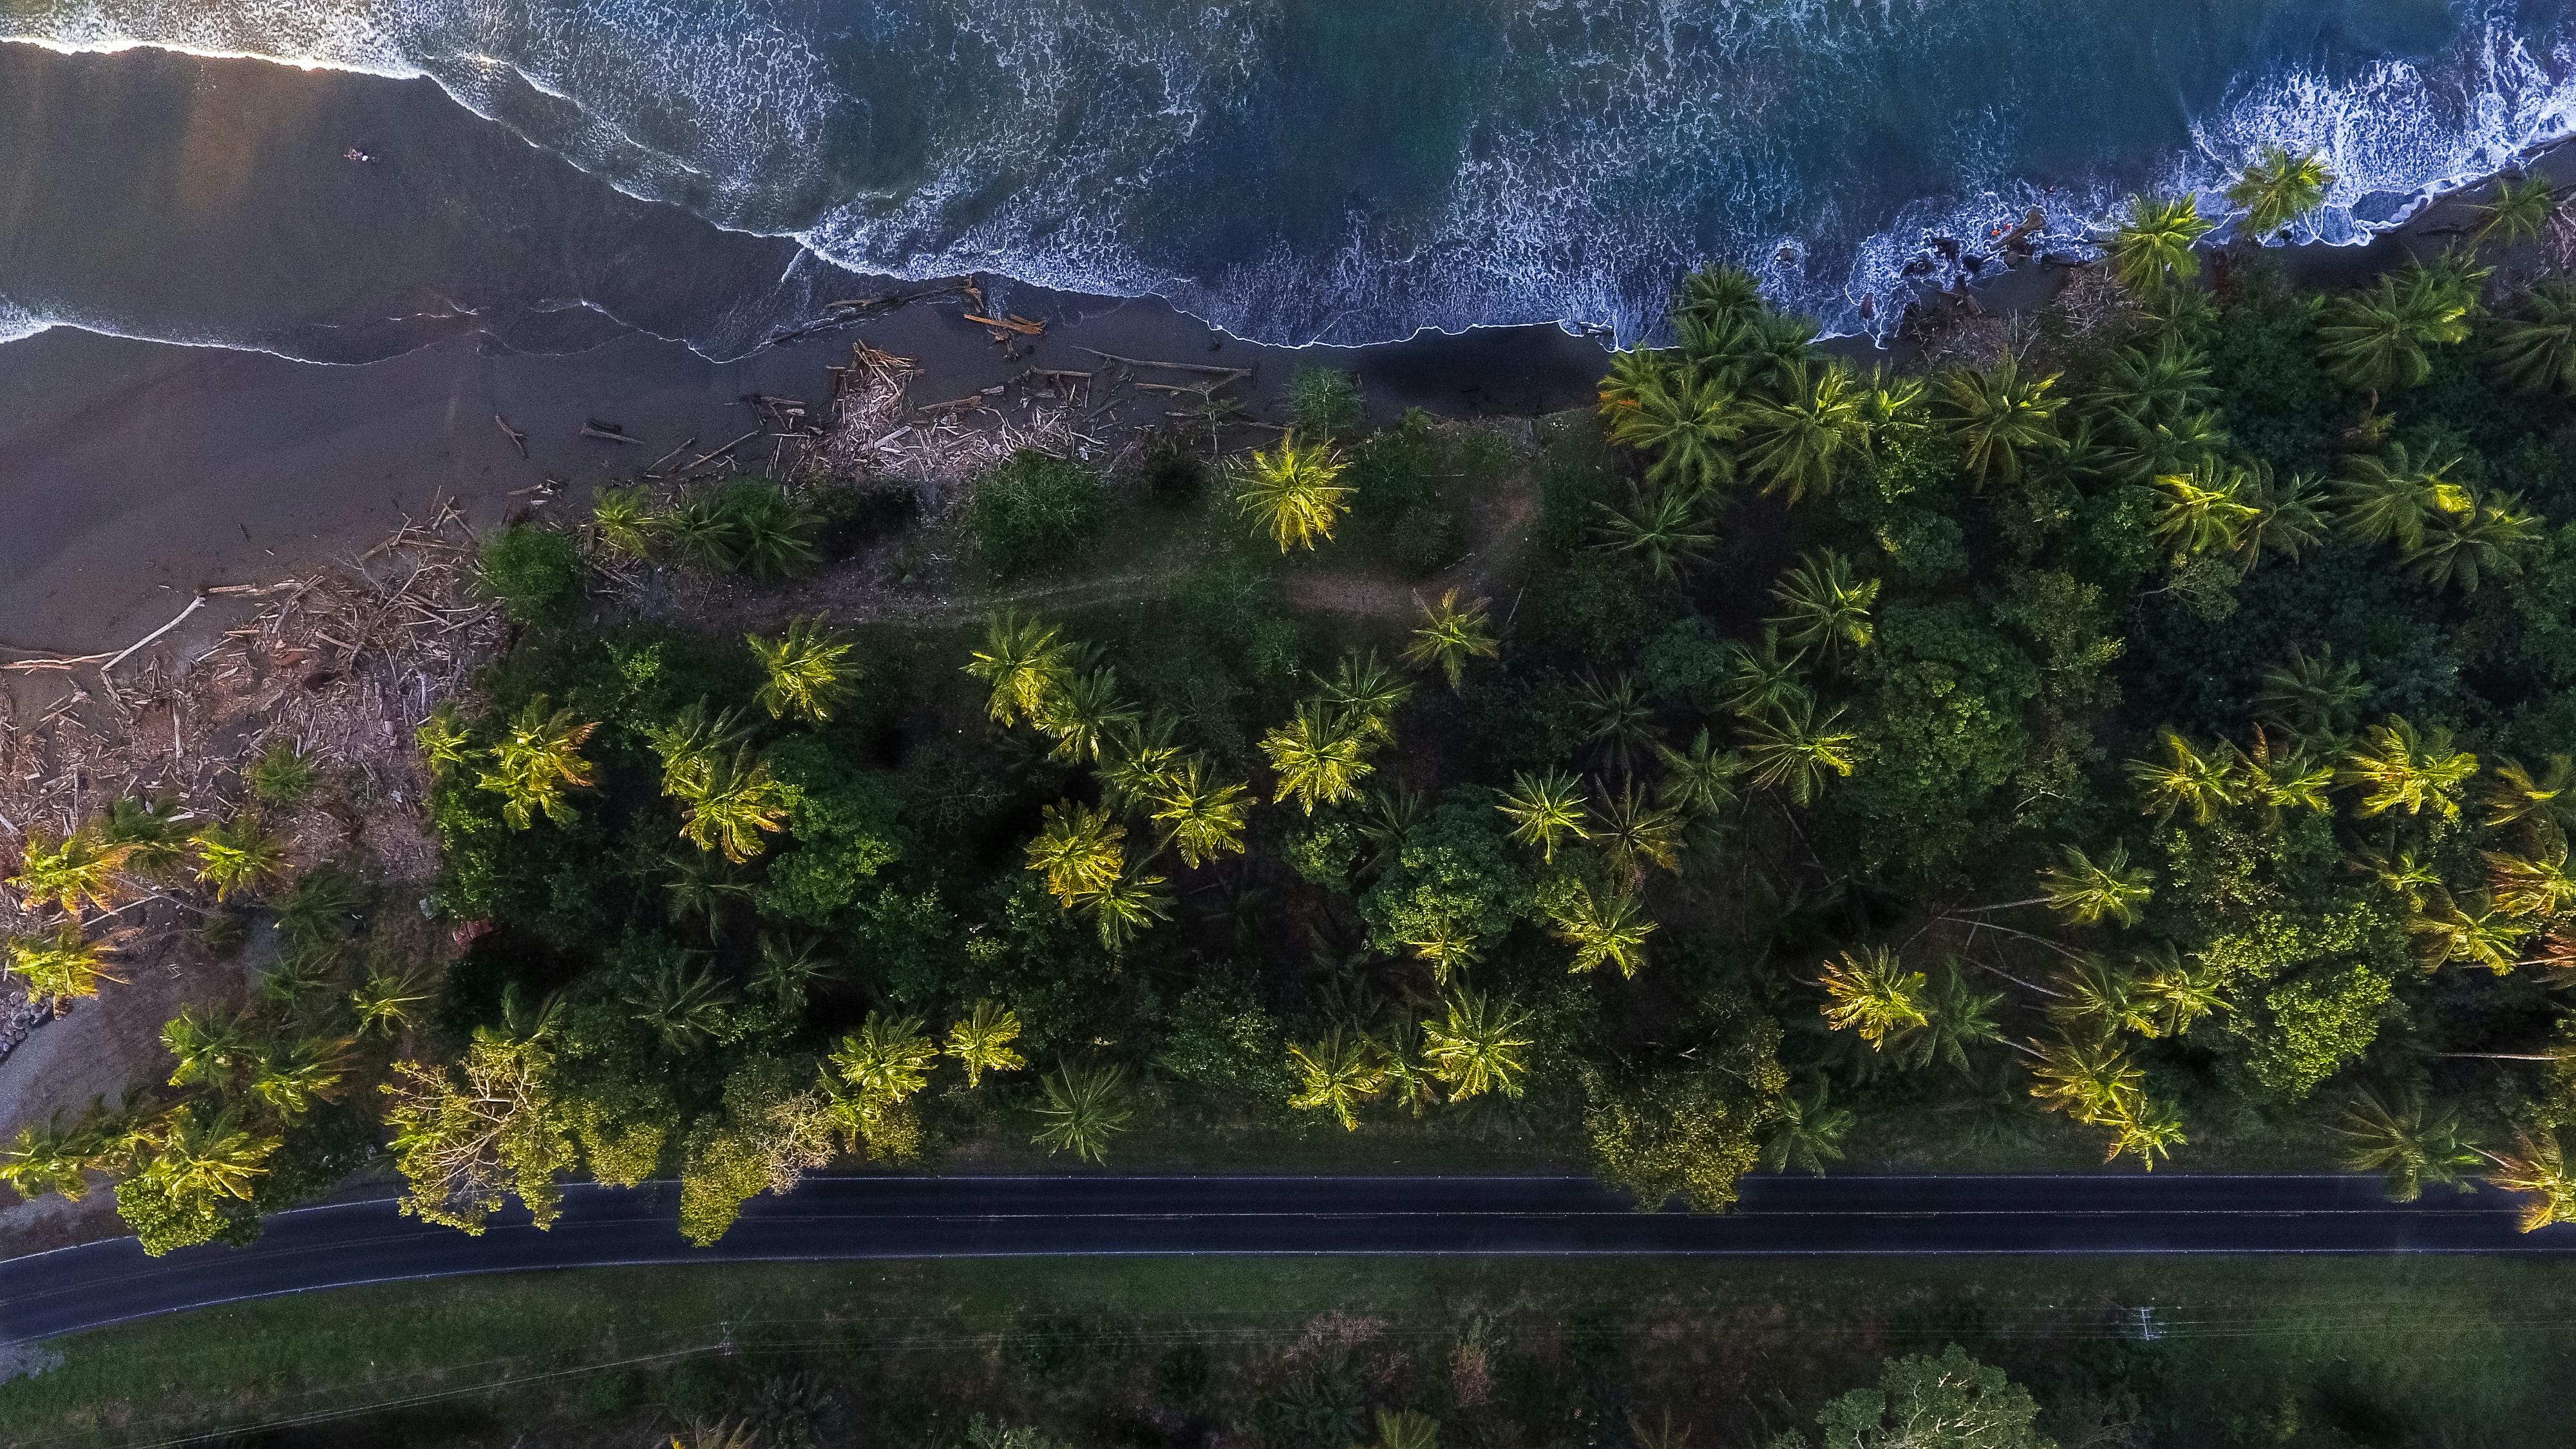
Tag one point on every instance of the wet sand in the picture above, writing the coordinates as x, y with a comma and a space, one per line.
136, 472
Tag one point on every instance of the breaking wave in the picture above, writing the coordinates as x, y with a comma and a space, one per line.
1358, 172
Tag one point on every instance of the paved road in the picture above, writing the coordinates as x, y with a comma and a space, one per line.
46, 1294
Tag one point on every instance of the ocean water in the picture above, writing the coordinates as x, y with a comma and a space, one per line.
1343, 171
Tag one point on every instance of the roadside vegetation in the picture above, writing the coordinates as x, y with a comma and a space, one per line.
1309, 1354
2150, 743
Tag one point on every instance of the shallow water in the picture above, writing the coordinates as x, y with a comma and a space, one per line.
1293, 170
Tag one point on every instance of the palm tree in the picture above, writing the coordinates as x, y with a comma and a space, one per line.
1664, 528
79, 867
1823, 607
1615, 718
1140, 763
702, 886
1387, 823
1078, 850
2143, 1128
2002, 420
2091, 1079
1610, 931
2313, 696
1956, 1016
1131, 903
1406, 1429
2537, 352
629, 520
2086, 893
888, 1059
2278, 188
1683, 424
536, 759
732, 805
1716, 298
2388, 499
1764, 681
2537, 1167
683, 1007
1084, 713
2397, 766
2206, 512
2286, 520
1408, 1074
2401, 1140
2185, 779
981, 1041
2493, 536
1023, 660
1477, 1047
1446, 945
295, 1077
2518, 213
2155, 250
808, 668
1366, 690
193, 1157
1084, 1107
772, 533
1450, 635
690, 743
1871, 992
2180, 996
237, 855
1793, 747
1798, 445
150, 834
2094, 994
2143, 388
51, 1157
387, 1002
211, 1050
1336, 1074
1807, 1133
59, 966
1635, 833
2469, 930
1544, 810
1700, 781
2375, 341
1295, 494
1202, 818
2517, 795
1320, 755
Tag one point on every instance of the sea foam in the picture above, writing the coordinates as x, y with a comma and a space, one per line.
1569, 158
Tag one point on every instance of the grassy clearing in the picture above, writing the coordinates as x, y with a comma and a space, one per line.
2318, 1352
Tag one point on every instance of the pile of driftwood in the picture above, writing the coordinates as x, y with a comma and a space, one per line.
343, 664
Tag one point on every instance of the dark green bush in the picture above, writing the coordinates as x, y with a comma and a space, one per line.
1032, 509
534, 573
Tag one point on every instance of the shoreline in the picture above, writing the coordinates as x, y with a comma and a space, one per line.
142, 472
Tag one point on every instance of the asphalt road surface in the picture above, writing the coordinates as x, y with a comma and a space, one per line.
46, 1294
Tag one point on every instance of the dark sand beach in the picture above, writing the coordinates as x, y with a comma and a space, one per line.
137, 472
140, 471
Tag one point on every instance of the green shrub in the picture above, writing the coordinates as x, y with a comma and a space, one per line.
748, 526
534, 573
1033, 508
282, 776
1324, 402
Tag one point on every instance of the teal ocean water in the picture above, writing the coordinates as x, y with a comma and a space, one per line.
1348, 170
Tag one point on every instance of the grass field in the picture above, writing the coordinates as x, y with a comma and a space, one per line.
2276, 1351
